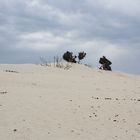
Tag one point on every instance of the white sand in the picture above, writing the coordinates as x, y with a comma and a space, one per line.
49, 103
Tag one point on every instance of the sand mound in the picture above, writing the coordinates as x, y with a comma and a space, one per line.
78, 103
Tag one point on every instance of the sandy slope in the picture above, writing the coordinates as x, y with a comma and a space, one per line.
49, 103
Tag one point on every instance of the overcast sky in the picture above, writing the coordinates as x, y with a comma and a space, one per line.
33, 28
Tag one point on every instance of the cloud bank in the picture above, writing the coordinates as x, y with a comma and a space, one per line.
33, 28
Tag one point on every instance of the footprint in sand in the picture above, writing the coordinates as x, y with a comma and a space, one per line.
59, 125
116, 115
72, 131
3, 92
124, 121
114, 120
108, 98
96, 98
11, 71
15, 130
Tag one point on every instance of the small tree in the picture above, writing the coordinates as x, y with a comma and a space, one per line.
81, 56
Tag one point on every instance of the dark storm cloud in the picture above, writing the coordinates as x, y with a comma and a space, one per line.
33, 28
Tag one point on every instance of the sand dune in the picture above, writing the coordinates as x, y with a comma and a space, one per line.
78, 103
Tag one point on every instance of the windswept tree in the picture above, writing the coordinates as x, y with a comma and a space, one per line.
105, 63
81, 56
68, 56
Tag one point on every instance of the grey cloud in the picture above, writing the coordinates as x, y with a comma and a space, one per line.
97, 27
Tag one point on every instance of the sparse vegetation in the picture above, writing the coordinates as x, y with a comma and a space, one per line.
58, 62
67, 56
44, 62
